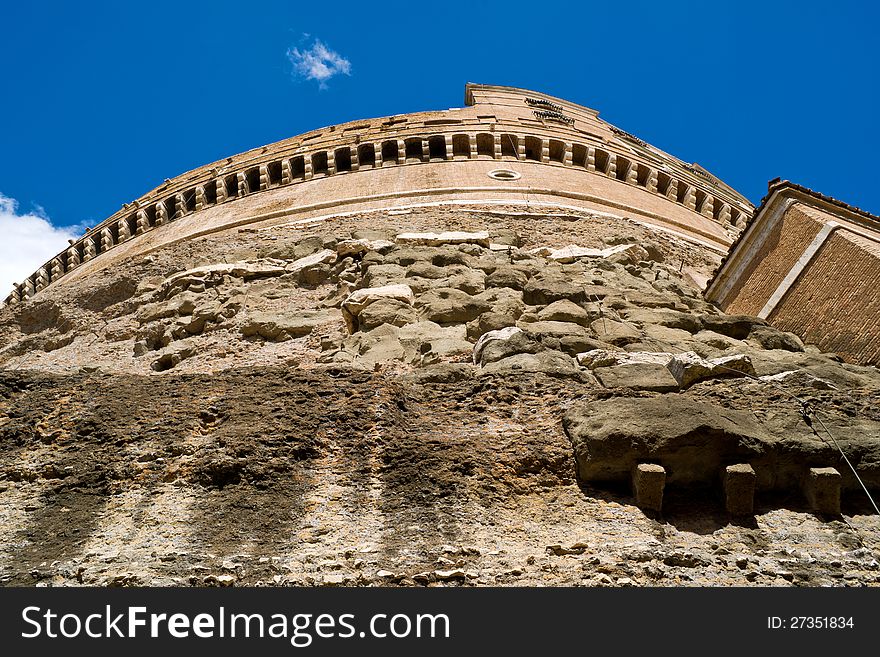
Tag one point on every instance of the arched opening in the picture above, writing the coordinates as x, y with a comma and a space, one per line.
211, 193
342, 156
717, 206
557, 151
663, 181
253, 179
298, 168
601, 160
274, 169
131, 224
642, 175
461, 146
533, 148
413, 149
682, 191
231, 188
389, 152
509, 146
189, 198
579, 155
366, 156
151, 210
319, 163
623, 166
486, 145
437, 147
701, 200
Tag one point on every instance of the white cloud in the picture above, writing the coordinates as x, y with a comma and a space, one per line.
27, 241
318, 63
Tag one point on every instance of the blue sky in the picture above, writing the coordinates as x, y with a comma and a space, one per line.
103, 100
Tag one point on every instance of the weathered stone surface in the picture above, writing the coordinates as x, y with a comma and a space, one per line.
326, 256
637, 376
361, 246
510, 276
547, 329
734, 326
552, 363
648, 481
386, 310
822, 490
607, 358
438, 239
691, 439
245, 270
571, 253
664, 317
771, 338
616, 333
447, 305
549, 286
738, 485
688, 367
380, 275
503, 334
472, 281
486, 322
360, 299
422, 338
286, 325
504, 301
565, 311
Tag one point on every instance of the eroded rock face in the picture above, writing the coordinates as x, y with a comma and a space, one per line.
254, 397
693, 439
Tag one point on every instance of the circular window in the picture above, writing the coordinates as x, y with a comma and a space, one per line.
504, 174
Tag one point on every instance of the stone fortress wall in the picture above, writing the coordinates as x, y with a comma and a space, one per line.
507, 145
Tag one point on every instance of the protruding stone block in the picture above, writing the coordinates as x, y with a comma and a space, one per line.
73, 259
161, 214
243, 187
648, 481
264, 177
738, 482
56, 269
89, 250
222, 192
179, 205
41, 279
142, 223
611, 171
632, 174
672, 190
822, 490
591, 158
690, 199
286, 172
106, 240
123, 230
708, 209
201, 198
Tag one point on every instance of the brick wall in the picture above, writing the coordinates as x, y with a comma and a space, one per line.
835, 303
775, 258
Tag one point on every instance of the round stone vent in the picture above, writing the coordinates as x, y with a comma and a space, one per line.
504, 174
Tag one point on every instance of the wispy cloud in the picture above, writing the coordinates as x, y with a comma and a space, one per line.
29, 240
318, 63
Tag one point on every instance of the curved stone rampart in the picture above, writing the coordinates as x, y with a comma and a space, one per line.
499, 124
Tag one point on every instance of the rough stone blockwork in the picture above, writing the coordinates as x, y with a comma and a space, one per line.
368, 356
